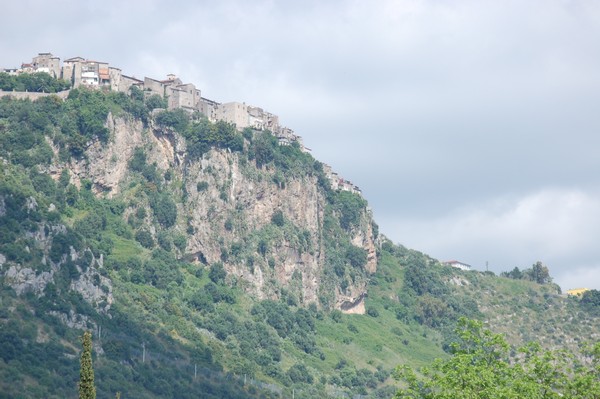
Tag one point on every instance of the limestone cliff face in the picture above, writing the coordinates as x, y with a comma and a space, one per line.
106, 165
226, 207
94, 288
250, 203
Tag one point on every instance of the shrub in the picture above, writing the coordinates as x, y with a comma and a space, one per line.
277, 219
180, 242
217, 273
201, 186
145, 238
373, 312
164, 209
164, 241
299, 373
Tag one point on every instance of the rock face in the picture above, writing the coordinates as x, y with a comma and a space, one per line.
226, 206
250, 203
24, 279
93, 287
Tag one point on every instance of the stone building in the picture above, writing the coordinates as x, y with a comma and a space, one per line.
89, 73
178, 94
94, 74
235, 113
125, 83
209, 108
46, 62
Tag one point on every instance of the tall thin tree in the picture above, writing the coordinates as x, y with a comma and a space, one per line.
87, 389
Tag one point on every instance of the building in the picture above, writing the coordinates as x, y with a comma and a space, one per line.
577, 291
234, 113
96, 74
458, 265
125, 82
46, 62
178, 94
89, 73
208, 108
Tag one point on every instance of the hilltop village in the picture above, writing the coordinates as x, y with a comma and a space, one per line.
81, 72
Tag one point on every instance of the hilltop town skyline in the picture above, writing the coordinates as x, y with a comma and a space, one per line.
89, 73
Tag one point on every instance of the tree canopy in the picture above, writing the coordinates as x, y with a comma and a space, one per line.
87, 390
484, 365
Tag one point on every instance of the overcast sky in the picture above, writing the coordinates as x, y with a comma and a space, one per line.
472, 127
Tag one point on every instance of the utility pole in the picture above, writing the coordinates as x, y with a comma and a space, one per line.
143, 352
486, 266
195, 370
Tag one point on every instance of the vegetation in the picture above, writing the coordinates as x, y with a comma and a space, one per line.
590, 301
484, 365
87, 389
538, 273
40, 82
171, 323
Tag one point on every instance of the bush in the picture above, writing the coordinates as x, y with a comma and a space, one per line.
350, 206
164, 209
180, 242
356, 256
201, 186
299, 373
373, 312
177, 119
217, 273
145, 238
164, 241
277, 219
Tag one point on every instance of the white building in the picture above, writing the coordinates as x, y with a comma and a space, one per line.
457, 264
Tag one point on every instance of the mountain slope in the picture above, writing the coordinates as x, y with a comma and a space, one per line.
201, 256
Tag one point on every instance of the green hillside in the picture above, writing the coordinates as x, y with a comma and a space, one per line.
167, 322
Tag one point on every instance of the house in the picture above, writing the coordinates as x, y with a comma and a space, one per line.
46, 62
456, 264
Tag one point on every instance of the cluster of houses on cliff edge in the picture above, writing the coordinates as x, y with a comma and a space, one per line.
96, 74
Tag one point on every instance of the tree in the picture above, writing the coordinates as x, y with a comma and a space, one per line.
590, 300
540, 274
217, 273
87, 390
484, 365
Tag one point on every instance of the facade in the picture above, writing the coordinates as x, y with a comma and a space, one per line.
125, 82
46, 62
89, 73
208, 108
458, 265
235, 113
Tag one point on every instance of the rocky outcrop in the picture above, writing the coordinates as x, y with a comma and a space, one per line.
106, 164
251, 202
229, 202
24, 280
93, 287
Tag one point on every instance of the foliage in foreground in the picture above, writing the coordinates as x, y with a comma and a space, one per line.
87, 390
484, 365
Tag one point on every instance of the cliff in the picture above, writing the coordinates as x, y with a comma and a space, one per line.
200, 255
227, 207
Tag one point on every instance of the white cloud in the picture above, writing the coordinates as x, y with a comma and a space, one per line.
556, 226
438, 110
587, 276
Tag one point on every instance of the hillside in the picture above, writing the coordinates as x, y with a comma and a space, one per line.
213, 262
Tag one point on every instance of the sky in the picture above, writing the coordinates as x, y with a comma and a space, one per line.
472, 127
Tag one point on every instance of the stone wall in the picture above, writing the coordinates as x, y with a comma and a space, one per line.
21, 95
